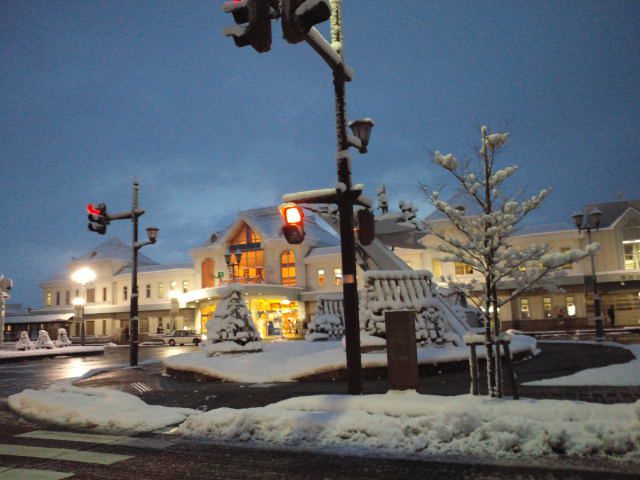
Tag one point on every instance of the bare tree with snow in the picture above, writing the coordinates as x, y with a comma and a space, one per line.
481, 239
383, 202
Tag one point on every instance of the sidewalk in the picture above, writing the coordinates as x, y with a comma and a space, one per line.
154, 386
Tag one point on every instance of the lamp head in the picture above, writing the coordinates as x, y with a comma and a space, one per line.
362, 129
152, 233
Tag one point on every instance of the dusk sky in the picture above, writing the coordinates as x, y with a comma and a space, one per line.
94, 93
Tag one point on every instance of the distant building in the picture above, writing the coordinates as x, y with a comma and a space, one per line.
282, 281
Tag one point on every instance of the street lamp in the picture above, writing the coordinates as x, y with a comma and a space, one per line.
592, 220
229, 260
174, 307
83, 275
362, 130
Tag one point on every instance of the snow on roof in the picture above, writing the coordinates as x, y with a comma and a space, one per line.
534, 228
48, 318
157, 268
322, 251
611, 211
113, 249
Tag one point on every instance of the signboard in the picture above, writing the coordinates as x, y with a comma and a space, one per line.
220, 274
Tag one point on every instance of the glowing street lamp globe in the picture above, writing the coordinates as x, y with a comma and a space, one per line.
83, 275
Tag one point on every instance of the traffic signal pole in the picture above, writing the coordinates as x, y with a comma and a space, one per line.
133, 350
345, 206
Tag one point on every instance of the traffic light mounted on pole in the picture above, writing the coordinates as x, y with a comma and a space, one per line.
298, 16
293, 228
98, 218
257, 15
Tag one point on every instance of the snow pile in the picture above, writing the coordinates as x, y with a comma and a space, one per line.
63, 338
100, 408
409, 424
274, 363
47, 352
328, 322
619, 375
232, 329
43, 340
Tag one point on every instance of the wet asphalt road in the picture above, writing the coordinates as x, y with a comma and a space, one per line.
16, 376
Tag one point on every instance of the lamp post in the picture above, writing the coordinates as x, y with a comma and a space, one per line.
6, 284
174, 307
82, 276
592, 220
229, 260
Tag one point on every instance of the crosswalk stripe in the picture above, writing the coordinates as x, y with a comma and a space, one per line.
61, 454
74, 437
140, 442
32, 474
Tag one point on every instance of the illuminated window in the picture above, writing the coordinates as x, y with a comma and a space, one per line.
288, 267
160, 290
547, 306
631, 245
91, 295
571, 306
321, 278
148, 290
173, 285
251, 266
185, 286
207, 267
337, 277
48, 299
125, 292
436, 265
525, 313
463, 269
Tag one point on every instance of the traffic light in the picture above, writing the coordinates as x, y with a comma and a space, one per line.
98, 218
293, 228
257, 15
298, 16
366, 226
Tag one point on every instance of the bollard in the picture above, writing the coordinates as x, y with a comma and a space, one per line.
473, 340
402, 354
505, 340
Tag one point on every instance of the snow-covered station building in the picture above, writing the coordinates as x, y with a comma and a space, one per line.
282, 282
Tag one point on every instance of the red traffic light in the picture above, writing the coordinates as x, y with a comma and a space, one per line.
91, 210
293, 228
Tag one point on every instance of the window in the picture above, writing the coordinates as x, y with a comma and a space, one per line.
104, 327
571, 306
525, 313
173, 285
147, 290
547, 307
48, 299
568, 266
288, 268
251, 265
90, 328
57, 298
207, 267
160, 290
144, 325
436, 265
337, 277
321, 278
463, 269
185, 286
631, 245
125, 292
91, 295
104, 294
67, 297
77, 292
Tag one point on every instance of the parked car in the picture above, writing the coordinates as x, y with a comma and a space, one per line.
182, 337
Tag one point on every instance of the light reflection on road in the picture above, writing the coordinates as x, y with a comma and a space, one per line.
16, 376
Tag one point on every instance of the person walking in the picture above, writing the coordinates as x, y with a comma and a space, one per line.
611, 311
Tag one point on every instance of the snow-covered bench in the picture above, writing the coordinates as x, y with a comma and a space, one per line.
329, 320
409, 290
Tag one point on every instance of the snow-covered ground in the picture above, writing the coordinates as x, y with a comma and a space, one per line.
423, 426
45, 352
101, 408
287, 361
619, 375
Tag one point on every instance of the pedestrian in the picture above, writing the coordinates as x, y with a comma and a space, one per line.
611, 311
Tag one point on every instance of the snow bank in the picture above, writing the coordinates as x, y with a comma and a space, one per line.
274, 363
413, 425
100, 408
9, 354
618, 375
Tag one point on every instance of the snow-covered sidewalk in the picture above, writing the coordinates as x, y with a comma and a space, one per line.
101, 408
7, 355
618, 375
288, 361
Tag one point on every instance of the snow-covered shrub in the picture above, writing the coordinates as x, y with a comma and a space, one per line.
63, 338
405, 290
232, 328
43, 340
23, 342
329, 320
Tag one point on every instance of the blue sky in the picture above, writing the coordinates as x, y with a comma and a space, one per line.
95, 93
